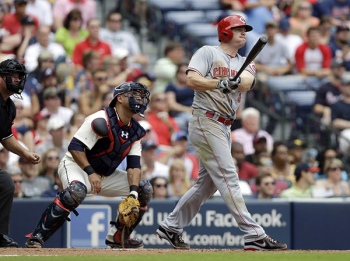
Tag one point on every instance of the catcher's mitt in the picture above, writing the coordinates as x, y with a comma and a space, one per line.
129, 211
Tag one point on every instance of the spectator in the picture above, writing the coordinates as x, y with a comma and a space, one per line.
56, 129
40, 133
22, 123
313, 58
237, 5
40, 9
16, 176
112, 67
28, 31
49, 164
263, 163
166, 67
160, 188
340, 109
107, 98
296, 150
58, 187
32, 53
302, 19
304, 181
146, 80
178, 179
48, 80
61, 9
334, 184
274, 58
75, 123
247, 170
180, 98
344, 145
322, 157
325, 29
338, 10
251, 127
12, 21
84, 79
151, 135
329, 93
265, 187
71, 33
91, 101
121, 39
259, 144
179, 142
291, 41
34, 79
281, 168
149, 159
340, 46
127, 73
258, 13
52, 105
163, 124
32, 186
91, 43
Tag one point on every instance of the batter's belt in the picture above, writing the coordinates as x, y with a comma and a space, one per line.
213, 115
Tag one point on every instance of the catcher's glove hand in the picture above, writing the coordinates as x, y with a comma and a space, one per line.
227, 86
129, 211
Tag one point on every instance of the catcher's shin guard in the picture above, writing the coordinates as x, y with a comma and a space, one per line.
57, 213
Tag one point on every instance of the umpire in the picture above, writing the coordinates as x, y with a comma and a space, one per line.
13, 77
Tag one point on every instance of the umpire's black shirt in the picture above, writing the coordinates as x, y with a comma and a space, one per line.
7, 116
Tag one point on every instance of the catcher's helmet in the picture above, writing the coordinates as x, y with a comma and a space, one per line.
224, 27
136, 90
10, 67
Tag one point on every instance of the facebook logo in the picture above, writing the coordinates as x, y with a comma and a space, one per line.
89, 229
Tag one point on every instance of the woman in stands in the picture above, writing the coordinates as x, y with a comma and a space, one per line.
178, 179
333, 168
40, 132
71, 33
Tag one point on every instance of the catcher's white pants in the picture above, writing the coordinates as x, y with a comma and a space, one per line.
115, 185
212, 142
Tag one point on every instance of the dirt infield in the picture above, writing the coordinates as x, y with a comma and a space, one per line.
145, 251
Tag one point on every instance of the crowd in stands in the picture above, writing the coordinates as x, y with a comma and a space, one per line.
74, 63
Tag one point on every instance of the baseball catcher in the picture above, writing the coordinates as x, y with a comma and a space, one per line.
96, 150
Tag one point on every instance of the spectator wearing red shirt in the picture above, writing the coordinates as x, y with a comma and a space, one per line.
12, 22
313, 58
247, 170
179, 151
161, 122
91, 43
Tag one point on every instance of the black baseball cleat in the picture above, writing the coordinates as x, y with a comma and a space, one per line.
174, 239
33, 243
266, 244
129, 243
6, 241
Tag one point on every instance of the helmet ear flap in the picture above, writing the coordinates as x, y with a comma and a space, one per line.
227, 34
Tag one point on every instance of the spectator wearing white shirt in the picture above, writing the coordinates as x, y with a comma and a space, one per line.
121, 39
148, 157
56, 128
32, 53
52, 105
42, 10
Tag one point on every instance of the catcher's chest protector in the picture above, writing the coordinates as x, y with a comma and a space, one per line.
109, 152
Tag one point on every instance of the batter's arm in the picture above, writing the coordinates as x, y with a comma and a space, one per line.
199, 83
247, 81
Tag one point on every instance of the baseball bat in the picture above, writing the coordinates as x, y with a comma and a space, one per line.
262, 41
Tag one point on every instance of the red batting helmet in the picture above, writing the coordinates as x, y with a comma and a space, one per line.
231, 21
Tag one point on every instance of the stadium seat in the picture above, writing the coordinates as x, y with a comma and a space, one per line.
213, 15
184, 17
212, 41
204, 4
170, 5
202, 30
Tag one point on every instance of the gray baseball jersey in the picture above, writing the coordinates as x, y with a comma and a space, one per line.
211, 140
212, 62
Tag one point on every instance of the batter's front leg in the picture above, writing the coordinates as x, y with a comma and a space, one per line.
213, 139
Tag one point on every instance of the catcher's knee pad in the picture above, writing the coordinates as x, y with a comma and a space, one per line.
73, 195
145, 193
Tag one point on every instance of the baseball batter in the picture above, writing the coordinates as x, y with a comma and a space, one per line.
98, 147
217, 97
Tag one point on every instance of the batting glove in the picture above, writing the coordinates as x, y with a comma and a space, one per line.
227, 86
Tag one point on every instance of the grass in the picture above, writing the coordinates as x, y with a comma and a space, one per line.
249, 256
